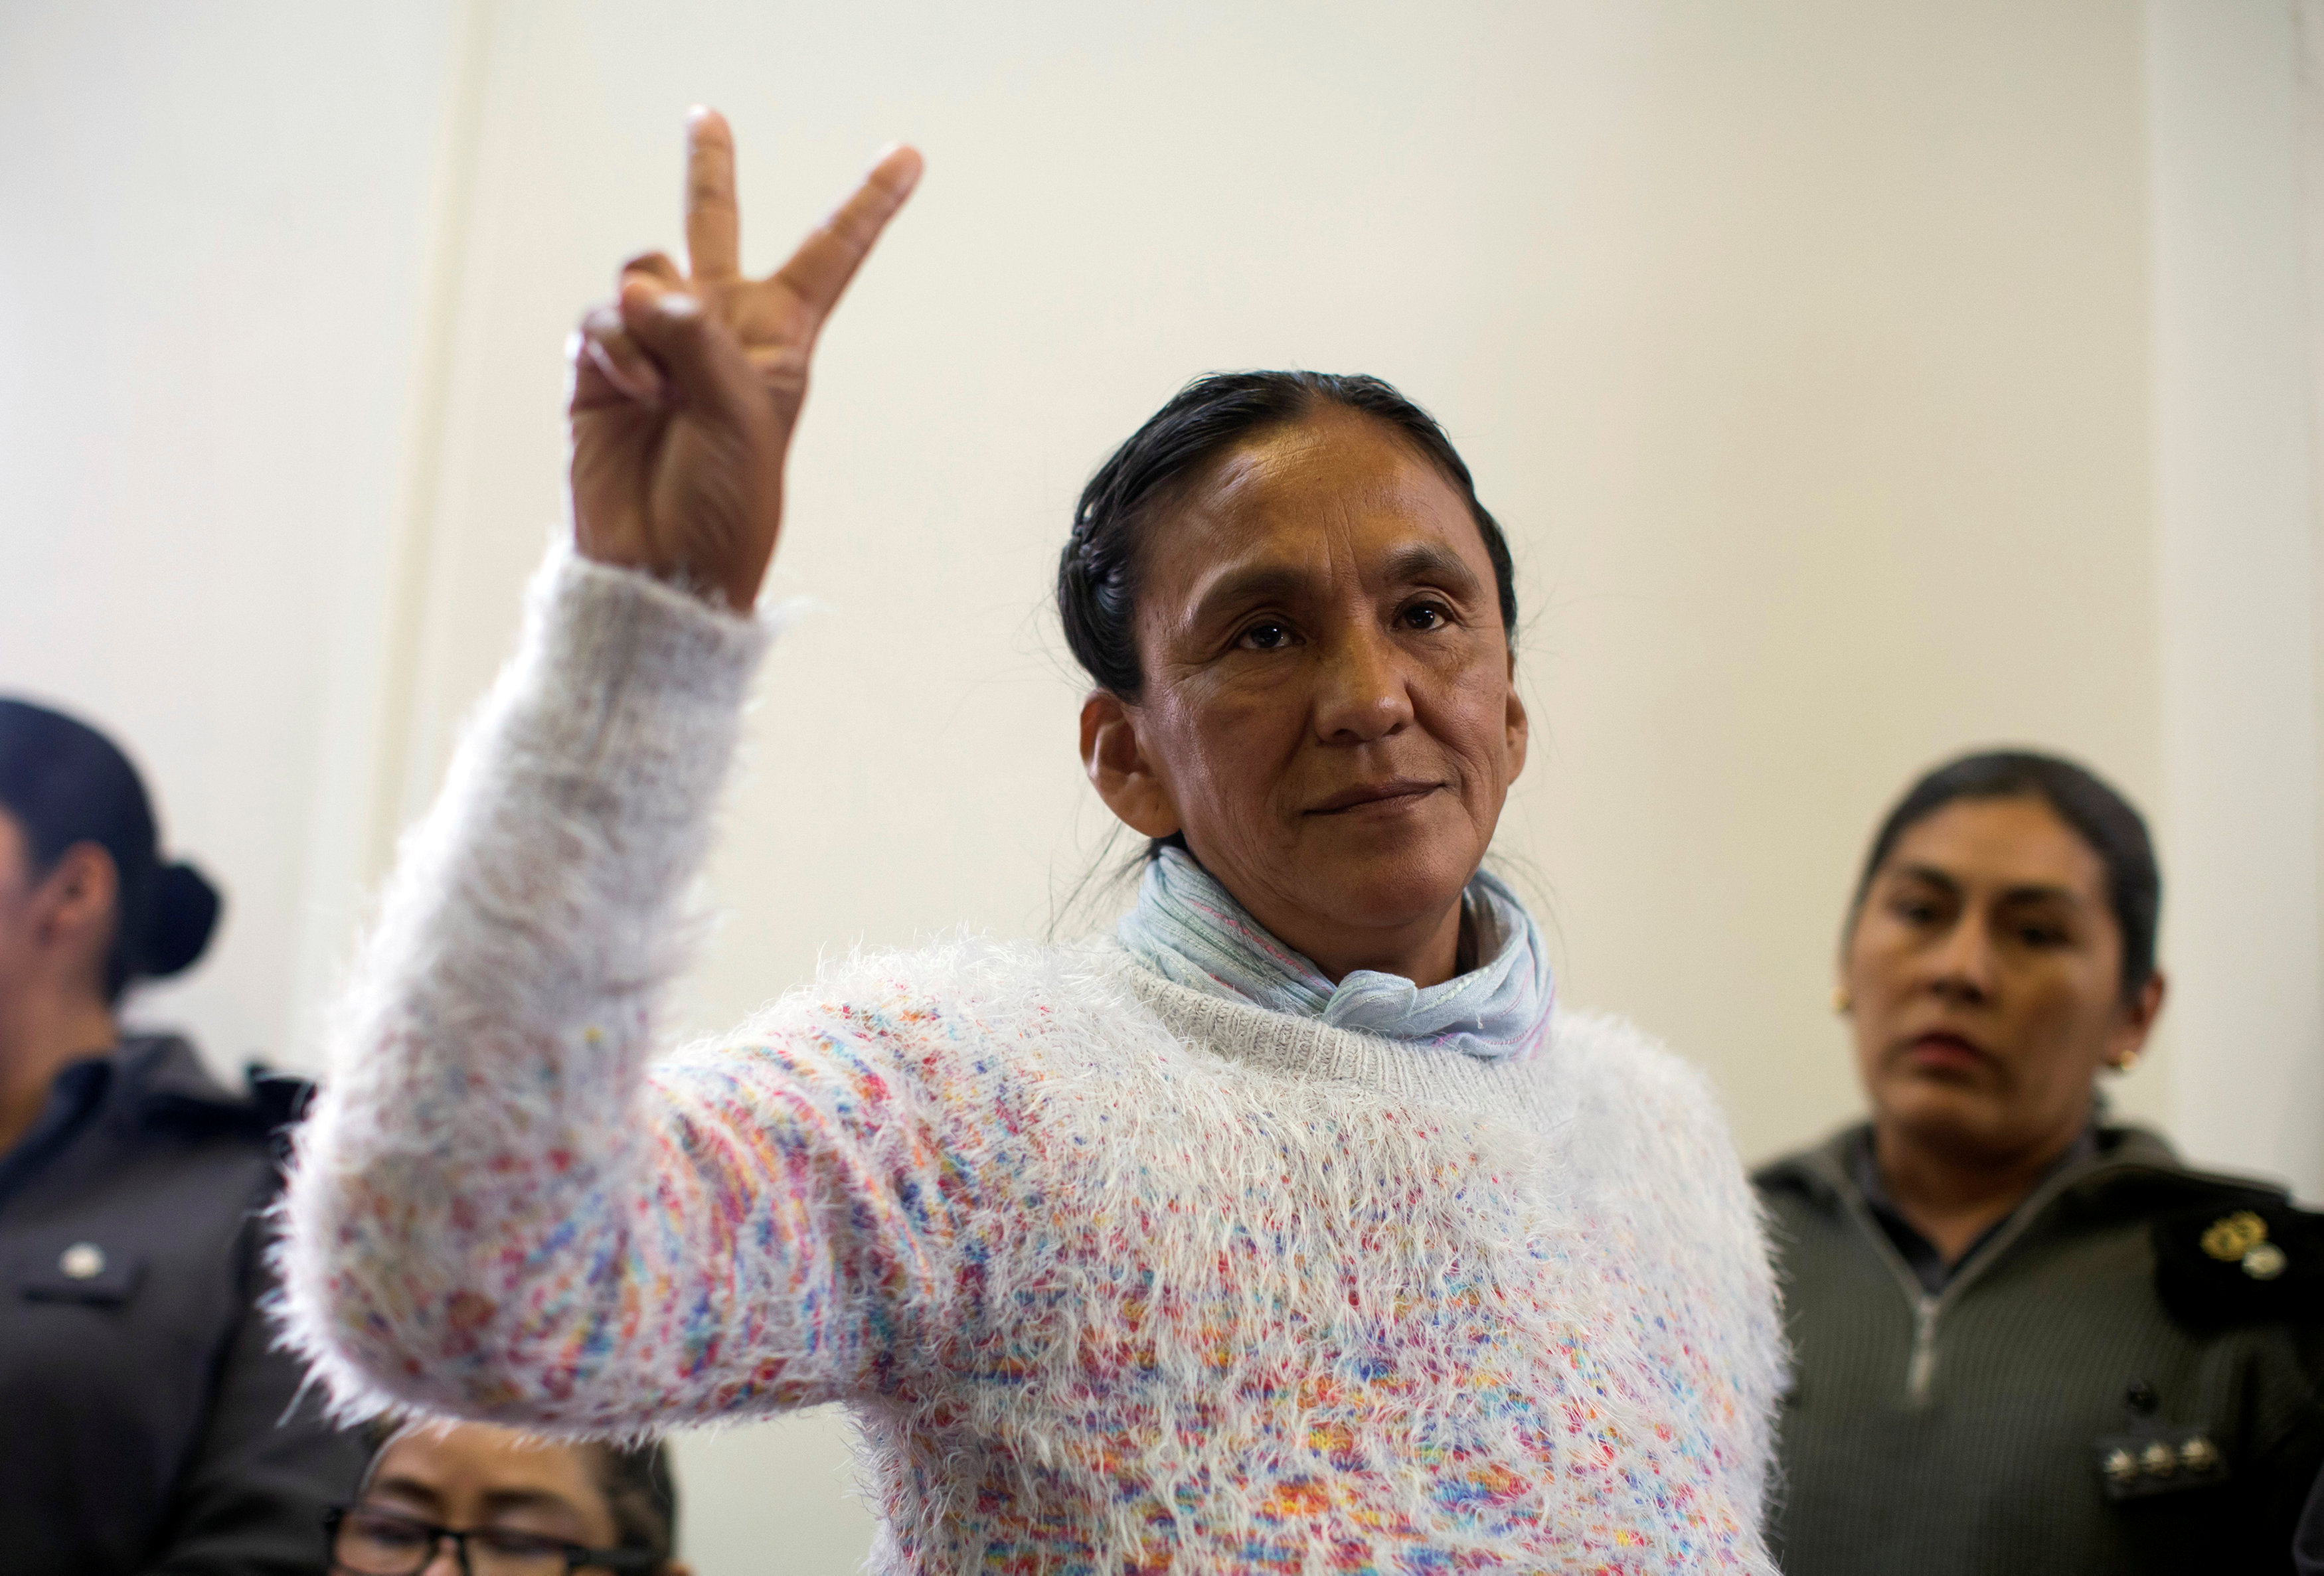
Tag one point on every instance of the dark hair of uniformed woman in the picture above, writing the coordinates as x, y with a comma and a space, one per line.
66, 783
1098, 573
2102, 819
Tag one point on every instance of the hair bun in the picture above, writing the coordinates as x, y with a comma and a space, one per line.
178, 927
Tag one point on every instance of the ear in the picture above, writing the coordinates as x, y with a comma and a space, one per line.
1515, 730
74, 905
1117, 764
2135, 1020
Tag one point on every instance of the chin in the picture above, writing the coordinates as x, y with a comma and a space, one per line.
1388, 887
1946, 1114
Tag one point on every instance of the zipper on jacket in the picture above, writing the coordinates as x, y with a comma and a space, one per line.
1921, 1367
1920, 1370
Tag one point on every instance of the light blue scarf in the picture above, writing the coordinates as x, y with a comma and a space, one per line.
1190, 930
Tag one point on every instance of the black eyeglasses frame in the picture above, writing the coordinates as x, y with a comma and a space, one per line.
622, 1561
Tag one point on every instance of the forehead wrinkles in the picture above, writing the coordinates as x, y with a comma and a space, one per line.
1301, 502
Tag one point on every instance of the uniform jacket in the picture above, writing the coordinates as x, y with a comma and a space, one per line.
2125, 1377
143, 1409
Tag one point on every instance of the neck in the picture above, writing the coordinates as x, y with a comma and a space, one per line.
40, 1033
1427, 952
1952, 1196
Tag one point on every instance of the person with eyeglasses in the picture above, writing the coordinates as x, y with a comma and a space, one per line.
470, 1499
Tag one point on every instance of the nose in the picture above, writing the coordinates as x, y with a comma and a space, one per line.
1362, 695
448, 1560
1962, 969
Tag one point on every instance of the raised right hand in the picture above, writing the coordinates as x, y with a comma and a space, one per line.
687, 387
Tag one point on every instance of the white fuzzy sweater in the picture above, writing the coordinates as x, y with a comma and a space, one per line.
1116, 1277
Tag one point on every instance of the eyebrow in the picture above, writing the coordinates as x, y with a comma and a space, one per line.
496, 1499
2031, 891
1414, 561
1430, 561
1258, 583
407, 1489
527, 1499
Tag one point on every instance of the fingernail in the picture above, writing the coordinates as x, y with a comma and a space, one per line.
889, 151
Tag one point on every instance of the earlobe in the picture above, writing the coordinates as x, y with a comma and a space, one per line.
73, 915
79, 892
2143, 1011
1118, 768
2137, 1024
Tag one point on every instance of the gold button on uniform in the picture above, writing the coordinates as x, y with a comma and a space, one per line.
2230, 1237
2198, 1454
81, 1261
2121, 1466
2159, 1460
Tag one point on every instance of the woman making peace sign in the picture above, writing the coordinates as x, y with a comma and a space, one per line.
1288, 1230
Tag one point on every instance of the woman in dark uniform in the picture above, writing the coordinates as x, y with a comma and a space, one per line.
145, 1423
2026, 1337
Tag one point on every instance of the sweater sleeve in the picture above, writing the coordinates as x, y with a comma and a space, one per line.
498, 1210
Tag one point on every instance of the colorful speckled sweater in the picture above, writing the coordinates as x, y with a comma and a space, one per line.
1116, 1277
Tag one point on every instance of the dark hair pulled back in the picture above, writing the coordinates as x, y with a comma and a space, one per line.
1098, 573
65, 784
2105, 821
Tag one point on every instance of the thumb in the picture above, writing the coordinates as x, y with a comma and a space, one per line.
705, 366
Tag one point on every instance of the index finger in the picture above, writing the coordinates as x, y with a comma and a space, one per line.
713, 221
826, 259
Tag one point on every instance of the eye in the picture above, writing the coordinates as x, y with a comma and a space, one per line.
380, 1534
1913, 910
1425, 616
1268, 635
2044, 936
506, 1543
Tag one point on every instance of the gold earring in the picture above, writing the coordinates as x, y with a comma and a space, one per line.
2125, 1062
1841, 1001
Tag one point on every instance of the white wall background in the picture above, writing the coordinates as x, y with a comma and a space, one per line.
2235, 373
215, 221
1859, 383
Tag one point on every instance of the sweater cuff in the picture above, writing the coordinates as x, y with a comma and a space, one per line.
644, 650
621, 711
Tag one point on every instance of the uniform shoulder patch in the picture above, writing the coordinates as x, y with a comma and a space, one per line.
2254, 1260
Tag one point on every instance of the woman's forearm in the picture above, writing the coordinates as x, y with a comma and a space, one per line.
460, 1212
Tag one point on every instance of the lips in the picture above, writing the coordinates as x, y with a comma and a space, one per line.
1941, 1050
1393, 793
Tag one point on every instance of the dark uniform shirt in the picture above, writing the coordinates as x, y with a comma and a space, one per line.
1920, 1255
2126, 1376
146, 1423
